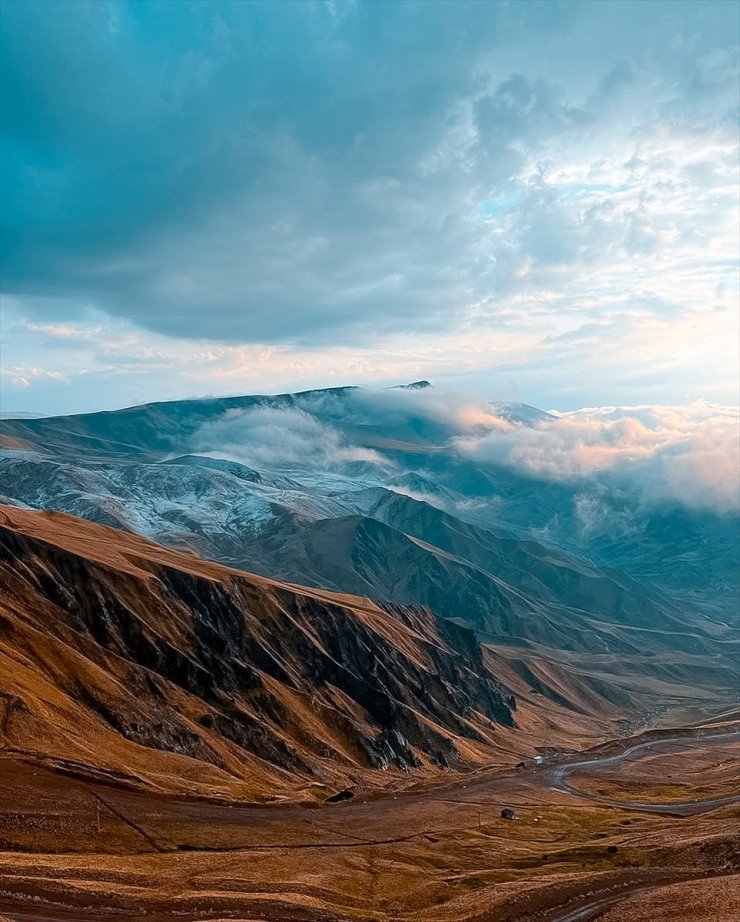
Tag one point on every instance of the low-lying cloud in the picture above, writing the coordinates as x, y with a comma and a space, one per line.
686, 454
270, 437
689, 454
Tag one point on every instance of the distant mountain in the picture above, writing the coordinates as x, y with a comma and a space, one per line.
20, 414
520, 413
151, 430
414, 386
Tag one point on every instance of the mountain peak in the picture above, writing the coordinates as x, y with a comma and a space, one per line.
414, 386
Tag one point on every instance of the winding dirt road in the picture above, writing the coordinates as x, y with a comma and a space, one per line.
558, 775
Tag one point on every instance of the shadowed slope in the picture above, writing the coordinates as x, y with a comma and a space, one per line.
167, 671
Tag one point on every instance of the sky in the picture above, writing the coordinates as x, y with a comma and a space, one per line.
530, 201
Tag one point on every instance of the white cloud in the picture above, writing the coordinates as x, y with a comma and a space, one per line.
23, 376
268, 437
689, 454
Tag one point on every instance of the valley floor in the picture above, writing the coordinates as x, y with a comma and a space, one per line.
633, 829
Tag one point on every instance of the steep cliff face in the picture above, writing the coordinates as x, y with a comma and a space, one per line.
162, 670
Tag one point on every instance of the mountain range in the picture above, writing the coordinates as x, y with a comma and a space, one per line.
370, 494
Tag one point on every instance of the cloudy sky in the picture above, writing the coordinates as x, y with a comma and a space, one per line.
534, 201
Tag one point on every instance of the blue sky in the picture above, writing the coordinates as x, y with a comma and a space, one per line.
535, 201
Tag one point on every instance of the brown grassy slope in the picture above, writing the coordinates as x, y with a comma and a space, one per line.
442, 855
714, 900
162, 670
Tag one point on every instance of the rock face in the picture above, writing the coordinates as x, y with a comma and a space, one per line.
121, 657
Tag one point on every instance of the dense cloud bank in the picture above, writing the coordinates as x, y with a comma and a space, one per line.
224, 196
689, 454
685, 454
